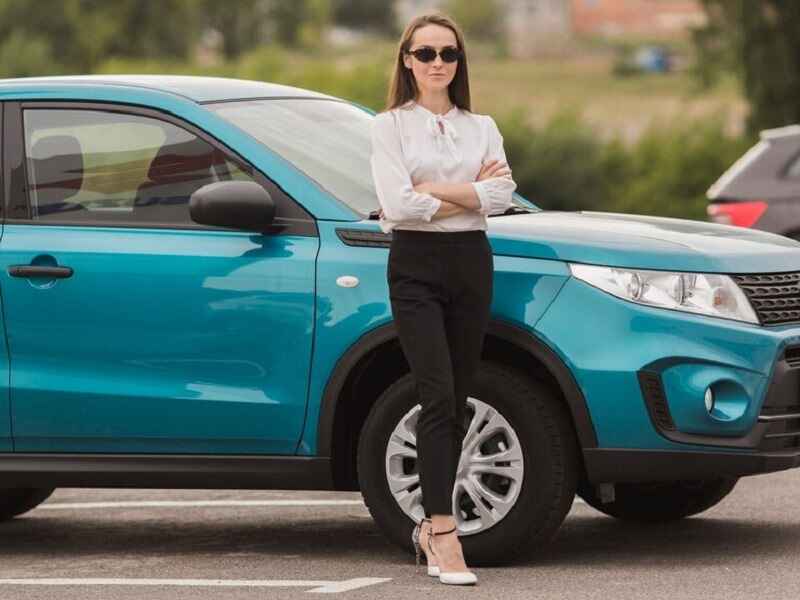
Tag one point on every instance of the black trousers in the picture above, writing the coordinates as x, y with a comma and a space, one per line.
440, 288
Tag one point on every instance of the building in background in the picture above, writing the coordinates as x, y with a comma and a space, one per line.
651, 18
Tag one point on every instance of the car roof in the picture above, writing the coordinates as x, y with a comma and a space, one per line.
780, 132
195, 87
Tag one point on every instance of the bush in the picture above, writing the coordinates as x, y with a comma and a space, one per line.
563, 165
671, 169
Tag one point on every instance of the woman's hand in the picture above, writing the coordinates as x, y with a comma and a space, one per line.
452, 195
448, 209
493, 168
425, 187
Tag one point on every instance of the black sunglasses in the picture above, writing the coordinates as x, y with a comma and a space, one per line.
426, 54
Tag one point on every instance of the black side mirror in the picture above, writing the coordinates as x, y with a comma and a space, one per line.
238, 204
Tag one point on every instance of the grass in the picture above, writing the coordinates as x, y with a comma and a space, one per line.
613, 106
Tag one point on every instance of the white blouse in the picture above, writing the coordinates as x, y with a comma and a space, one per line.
411, 145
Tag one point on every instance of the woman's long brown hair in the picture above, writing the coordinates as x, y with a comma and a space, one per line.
404, 87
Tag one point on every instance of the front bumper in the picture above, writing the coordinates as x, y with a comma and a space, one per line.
643, 372
773, 443
778, 423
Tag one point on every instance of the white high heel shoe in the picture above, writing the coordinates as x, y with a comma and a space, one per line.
451, 577
433, 570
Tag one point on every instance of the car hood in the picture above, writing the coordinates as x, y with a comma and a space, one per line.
644, 242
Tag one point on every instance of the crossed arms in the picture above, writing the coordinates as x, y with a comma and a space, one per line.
401, 200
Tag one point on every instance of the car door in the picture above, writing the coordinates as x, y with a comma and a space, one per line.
5, 410
133, 329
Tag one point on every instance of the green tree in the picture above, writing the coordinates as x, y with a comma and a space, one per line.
242, 26
287, 17
318, 18
165, 29
377, 15
23, 56
46, 27
79, 34
760, 40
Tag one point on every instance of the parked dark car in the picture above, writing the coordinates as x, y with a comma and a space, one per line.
762, 189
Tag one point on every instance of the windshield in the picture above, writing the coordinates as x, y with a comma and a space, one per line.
326, 139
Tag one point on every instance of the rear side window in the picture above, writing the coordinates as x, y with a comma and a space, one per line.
793, 171
107, 166
2, 169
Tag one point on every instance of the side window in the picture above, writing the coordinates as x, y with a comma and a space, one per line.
793, 170
2, 159
115, 167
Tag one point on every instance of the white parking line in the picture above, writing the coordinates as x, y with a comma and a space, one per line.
189, 503
181, 503
319, 586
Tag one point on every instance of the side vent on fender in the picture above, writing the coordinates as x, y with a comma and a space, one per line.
359, 237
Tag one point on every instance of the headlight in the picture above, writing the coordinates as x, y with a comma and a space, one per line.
707, 294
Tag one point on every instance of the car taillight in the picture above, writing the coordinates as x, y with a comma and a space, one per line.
743, 214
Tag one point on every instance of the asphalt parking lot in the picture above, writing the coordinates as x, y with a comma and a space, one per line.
163, 544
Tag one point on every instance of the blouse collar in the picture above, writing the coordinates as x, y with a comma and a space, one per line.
448, 115
441, 127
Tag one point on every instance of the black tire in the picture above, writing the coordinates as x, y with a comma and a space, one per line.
660, 501
551, 464
15, 501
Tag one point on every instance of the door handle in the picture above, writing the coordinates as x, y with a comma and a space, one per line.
40, 271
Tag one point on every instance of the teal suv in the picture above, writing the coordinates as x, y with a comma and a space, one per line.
194, 295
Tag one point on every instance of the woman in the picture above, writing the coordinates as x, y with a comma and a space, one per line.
439, 170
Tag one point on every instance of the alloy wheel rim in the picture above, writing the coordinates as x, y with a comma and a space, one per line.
489, 475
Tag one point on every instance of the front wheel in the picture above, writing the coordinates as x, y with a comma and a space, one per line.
660, 501
15, 501
516, 476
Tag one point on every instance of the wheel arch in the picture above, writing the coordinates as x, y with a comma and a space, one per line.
350, 393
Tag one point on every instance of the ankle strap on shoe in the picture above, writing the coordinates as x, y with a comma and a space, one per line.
442, 532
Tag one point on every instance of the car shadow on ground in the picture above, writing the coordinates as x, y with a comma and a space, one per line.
589, 539
598, 540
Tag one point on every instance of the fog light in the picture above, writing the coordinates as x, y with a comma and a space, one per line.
709, 400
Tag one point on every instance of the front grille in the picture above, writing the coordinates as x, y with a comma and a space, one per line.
774, 296
783, 428
792, 356
780, 414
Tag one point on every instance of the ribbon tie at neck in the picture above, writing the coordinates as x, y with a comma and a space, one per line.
448, 137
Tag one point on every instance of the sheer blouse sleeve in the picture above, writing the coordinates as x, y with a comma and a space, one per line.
392, 181
494, 193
